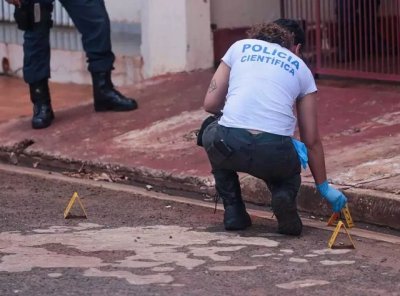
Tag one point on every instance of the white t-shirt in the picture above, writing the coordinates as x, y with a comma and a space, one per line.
265, 81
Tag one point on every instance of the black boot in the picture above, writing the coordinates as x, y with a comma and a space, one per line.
236, 216
106, 97
285, 210
42, 112
228, 188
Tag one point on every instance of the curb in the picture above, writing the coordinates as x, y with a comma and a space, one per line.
366, 206
140, 176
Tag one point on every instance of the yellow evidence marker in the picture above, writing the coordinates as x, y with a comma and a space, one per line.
333, 219
331, 243
347, 216
75, 197
346, 213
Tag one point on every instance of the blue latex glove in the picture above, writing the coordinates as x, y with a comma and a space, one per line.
301, 150
333, 196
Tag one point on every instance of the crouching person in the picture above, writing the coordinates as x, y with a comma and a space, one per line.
256, 86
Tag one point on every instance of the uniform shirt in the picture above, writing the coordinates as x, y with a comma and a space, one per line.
265, 81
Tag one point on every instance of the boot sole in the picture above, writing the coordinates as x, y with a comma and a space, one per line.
105, 109
98, 108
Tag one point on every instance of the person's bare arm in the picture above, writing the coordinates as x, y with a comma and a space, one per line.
215, 98
309, 134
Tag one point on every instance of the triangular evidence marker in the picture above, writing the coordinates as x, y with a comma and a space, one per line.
75, 197
347, 216
335, 217
331, 243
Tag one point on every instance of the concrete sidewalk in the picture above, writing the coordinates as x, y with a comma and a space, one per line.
155, 145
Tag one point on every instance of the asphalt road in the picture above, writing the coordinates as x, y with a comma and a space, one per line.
136, 244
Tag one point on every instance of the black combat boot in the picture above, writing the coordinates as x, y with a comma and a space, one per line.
106, 97
236, 216
285, 210
42, 112
228, 188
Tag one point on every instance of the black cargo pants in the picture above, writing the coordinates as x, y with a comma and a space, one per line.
92, 21
266, 156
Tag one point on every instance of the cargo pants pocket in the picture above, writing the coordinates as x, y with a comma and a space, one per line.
218, 151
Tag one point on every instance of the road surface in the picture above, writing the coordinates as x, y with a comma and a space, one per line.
138, 242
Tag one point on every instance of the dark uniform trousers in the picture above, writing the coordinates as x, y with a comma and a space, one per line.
266, 156
92, 21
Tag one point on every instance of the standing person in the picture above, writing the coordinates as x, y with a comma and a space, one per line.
92, 21
256, 87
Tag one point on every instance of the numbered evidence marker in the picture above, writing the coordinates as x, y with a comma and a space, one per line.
331, 243
346, 213
75, 197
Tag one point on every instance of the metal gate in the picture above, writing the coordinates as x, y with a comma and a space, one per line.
64, 36
60, 16
350, 38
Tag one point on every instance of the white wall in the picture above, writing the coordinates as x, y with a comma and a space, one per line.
126, 11
176, 36
163, 31
199, 36
240, 13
